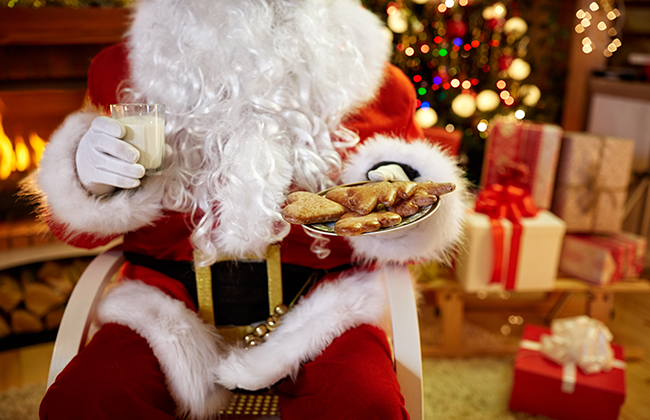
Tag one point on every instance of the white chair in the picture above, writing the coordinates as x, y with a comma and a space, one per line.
81, 307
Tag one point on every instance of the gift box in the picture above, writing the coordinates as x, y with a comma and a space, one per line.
593, 258
603, 259
535, 267
546, 382
640, 248
535, 145
592, 182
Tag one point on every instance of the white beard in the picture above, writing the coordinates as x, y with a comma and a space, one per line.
255, 92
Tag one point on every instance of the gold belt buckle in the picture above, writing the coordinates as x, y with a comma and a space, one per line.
204, 287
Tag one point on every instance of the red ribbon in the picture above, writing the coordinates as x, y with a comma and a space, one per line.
506, 200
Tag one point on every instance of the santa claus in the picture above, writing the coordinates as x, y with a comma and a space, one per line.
262, 98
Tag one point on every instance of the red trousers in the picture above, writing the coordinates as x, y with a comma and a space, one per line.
117, 376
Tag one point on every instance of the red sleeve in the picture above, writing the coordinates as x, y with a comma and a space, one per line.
392, 112
107, 70
82, 240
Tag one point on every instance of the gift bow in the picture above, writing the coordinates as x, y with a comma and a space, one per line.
582, 341
506, 199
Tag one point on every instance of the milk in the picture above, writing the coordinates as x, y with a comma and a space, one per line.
147, 134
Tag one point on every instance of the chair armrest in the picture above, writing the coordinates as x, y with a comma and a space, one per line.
80, 310
406, 338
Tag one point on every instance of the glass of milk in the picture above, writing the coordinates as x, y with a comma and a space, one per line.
145, 130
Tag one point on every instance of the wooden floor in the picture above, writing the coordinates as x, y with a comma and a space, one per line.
630, 326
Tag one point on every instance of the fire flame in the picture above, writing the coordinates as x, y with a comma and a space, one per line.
17, 156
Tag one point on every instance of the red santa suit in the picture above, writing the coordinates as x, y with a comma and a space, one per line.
262, 99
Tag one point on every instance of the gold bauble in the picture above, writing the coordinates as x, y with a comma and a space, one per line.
519, 69
487, 100
515, 26
464, 105
426, 117
530, 95
397, 22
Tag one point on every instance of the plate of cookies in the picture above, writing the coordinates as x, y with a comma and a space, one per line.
365, 208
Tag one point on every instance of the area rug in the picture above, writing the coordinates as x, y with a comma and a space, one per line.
454, 389
469, 389
21, 403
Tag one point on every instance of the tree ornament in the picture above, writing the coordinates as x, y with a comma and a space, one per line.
530, 94
487, 100
426, 117
464, 105
504, 62
516, 27
456, 27
519, 69
397, 22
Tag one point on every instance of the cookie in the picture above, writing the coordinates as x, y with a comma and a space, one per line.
353, 224
405, 189
339, 195
436, 188
422, 199
404, 208
364, 199
305, 208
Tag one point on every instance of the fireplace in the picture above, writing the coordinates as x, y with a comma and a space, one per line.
44, 58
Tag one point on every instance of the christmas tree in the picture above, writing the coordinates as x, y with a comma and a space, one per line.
469, 62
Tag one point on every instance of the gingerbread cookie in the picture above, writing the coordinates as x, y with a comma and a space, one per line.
436, 188
340, 195
404, 208
364, 199
353, 224
405, 189
305, 208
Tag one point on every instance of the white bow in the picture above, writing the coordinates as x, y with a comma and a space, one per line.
582, 341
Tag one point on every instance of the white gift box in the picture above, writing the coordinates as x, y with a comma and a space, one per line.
539, 253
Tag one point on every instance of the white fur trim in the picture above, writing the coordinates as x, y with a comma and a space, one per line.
58, 189
433, 238
333, 308
187, 348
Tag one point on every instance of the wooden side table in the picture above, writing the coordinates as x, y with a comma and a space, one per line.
449, 298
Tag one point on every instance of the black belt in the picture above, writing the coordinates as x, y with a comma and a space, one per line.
239, 288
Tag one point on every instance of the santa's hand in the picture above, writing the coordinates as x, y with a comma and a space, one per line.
391, 172
104, 162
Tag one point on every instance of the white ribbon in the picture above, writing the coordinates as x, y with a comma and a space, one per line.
577, 342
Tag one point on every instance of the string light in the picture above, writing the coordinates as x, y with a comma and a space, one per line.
460, 63
606, 17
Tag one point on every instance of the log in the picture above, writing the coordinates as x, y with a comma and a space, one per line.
23, 321
56, 275
39, 297
10, 293
5, 330
53, 319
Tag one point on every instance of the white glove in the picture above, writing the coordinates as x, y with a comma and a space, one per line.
390, 172
104, 162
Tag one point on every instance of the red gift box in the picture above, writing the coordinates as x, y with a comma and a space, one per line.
535, 145
603, 259
639, 245
538, 385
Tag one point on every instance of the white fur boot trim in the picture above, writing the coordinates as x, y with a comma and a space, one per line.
333, 308
59, 191
433, 238
186, 347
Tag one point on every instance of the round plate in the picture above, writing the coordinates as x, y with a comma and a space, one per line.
422, 214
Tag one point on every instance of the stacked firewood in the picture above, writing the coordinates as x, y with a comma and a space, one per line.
32, 298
